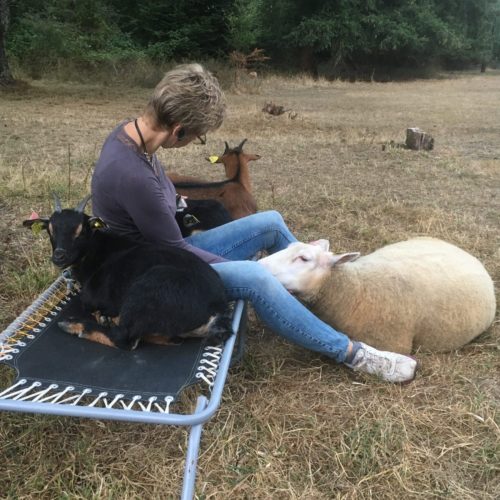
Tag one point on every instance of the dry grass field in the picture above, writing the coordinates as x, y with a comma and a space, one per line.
292, 424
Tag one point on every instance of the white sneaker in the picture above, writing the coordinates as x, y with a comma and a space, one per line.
389, 366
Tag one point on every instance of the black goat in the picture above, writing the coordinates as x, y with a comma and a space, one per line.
200, 215
141, 290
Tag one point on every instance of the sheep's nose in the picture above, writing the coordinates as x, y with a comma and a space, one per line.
59, 253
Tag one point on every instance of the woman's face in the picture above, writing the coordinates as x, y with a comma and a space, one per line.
179, 143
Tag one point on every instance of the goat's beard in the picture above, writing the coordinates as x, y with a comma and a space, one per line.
62, 264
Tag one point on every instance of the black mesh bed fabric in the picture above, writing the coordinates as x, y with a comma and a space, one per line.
56, 357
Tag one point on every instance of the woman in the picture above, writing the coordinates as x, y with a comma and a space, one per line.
134, 196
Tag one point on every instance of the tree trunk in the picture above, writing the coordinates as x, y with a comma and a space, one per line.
5, 74
308, 61
417, 139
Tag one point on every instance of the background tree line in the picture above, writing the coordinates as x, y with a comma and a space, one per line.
350, 38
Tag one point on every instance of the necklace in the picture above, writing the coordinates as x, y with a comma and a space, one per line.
149, 157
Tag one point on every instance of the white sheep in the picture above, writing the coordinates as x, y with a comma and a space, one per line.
420, 293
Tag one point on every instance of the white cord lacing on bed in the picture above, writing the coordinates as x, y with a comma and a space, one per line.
55, 394
36, 317
207, 369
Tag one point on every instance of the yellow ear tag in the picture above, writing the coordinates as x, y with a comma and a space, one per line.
36, 227
213, 159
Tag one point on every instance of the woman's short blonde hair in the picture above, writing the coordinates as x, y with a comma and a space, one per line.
191, 96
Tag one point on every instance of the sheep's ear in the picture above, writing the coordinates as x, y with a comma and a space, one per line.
324, 244
97, 223
336, 260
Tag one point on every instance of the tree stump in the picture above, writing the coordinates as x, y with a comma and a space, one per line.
274, 109
417, 139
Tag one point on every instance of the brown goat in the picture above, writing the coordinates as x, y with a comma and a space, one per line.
235, 193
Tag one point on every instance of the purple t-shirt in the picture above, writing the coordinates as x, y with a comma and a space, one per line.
135, 198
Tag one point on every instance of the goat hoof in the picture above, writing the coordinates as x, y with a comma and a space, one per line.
106, 321
220, 332
73, 328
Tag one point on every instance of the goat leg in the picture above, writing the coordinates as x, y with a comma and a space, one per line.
106, 321
87, 330
220, 330
159, 339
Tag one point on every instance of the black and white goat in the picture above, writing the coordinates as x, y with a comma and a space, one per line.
143, 291
201, 215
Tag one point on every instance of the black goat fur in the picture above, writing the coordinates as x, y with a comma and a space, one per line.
201, 215
153, 290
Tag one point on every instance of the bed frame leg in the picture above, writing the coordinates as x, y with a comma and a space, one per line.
192, 454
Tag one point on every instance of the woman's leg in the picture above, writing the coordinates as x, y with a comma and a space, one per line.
285, 315
280, 310
277, 308
243, 238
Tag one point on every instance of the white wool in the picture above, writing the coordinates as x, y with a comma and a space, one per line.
420, 293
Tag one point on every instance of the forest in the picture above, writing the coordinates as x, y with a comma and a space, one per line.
350, 77
348, 39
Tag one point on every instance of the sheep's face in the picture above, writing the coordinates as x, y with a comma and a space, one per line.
302, 267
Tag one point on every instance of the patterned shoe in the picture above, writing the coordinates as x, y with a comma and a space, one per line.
389, 366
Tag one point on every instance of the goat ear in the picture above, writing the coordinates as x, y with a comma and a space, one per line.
250, 157
97, 223
337, 260
189, 220
36, 225
214, 159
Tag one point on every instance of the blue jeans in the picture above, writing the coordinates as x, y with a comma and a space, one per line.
244, 279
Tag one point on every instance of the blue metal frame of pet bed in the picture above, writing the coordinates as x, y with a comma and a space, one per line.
62, 403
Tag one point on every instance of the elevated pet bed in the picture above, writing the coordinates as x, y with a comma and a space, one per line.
61, 374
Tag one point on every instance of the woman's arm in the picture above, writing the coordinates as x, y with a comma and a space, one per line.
145, 200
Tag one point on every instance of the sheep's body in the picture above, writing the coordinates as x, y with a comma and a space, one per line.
422, 293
